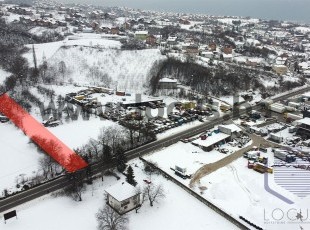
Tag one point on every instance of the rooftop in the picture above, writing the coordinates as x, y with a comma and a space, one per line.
142, 32
121, 191
165, 79
305, 121
211, 140
232, 127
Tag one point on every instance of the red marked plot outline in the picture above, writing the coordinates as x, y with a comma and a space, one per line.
47, 141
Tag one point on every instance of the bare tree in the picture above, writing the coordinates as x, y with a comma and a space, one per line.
76, 187
142, 198
108, 219
62, 69
153, 193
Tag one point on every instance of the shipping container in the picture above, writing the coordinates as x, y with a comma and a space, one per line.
294, 104
293, 116
277, 108
284, 156
120, 93
276, 137
290, 109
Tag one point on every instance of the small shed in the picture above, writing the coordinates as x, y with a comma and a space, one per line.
123, 197
168, 83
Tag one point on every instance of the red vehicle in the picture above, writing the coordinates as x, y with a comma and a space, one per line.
250, 164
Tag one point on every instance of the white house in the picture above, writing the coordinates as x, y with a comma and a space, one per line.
123, 197
168, 83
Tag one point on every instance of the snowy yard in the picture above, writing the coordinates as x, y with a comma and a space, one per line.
18, 157
22, 158
178, 210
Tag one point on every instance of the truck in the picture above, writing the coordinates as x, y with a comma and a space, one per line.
214, 108
290, 109
284, 156
292, 129
252, 155
79, 97
294, 104
293, 116
180, 171
277, 108
275, 137
151, 105
254, 129
259, 167
266, 102
225, 107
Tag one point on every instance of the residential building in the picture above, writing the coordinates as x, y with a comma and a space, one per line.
168, 83
123, 197
151, 40
141, 35
280, 69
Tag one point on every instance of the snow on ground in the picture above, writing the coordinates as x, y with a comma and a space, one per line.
3, 75
234, 188
40, 30
22, 157
241, 191
178, 210
47, 50
11, 17
18, 156
125, 70
184, 155
77, 133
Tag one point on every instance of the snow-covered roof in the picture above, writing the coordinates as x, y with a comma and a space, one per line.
306, 95
122, 191
227, 55
232, 127
305, 121
165, 79
141, 32
211, 140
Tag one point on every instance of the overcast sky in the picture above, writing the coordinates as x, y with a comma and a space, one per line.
298, 10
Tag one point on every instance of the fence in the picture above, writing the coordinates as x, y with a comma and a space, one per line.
200, 198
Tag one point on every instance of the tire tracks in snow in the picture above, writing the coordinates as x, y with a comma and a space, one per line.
241, 184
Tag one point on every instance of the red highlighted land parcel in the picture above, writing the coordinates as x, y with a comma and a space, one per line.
47, 141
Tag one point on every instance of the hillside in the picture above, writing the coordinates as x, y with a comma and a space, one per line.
222, 80
124, 70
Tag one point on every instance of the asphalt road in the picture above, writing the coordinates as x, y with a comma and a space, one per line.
61, 182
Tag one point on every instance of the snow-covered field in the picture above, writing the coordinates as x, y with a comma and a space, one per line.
47, 50
183, 155
18, 157
234, 188
121, 70
178, 210
22, 158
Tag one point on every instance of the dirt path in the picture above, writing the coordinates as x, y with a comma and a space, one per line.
209, 168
